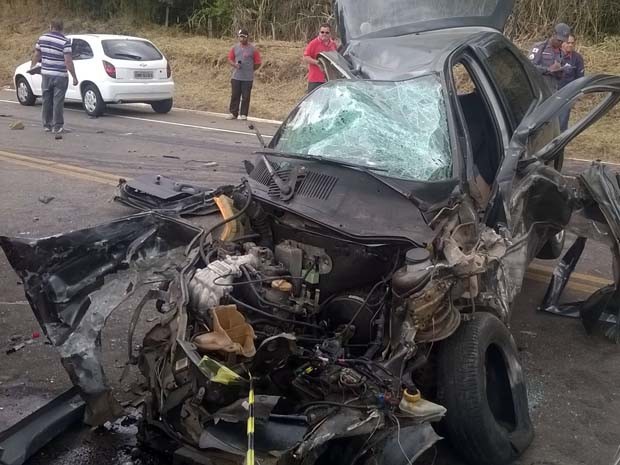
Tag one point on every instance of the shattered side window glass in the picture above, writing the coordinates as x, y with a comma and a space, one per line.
399, 127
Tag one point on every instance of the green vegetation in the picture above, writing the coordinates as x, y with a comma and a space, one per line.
298, 19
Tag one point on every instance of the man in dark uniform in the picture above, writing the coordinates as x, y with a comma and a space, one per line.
546, 56
573, 68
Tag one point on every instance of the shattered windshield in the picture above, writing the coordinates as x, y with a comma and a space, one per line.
362, 17
399, 127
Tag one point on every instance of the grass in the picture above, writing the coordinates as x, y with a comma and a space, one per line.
202, 74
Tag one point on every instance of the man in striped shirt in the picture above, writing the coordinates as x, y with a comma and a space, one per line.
53, 50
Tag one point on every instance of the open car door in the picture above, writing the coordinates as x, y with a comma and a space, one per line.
535, 203
391, 18
598, 93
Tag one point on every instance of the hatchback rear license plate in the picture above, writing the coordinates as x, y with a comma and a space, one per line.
143, 74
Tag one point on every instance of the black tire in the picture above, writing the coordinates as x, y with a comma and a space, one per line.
25, 96
92, 102
481, 383
162, 106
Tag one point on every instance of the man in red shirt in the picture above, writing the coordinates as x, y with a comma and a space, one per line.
322, 43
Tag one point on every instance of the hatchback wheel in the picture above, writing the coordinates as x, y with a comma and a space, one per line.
92, 101
162, 106
24, 92
481, 383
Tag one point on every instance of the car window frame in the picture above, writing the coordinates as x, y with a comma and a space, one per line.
497, 46
493, 102
79, 57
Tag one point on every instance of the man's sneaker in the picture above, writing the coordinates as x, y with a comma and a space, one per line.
47, 129
243, 117
60, 131
231, 116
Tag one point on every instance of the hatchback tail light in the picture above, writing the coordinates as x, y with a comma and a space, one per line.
168, 70
110, 69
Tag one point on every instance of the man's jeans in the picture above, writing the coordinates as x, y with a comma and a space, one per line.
241, 92
54, 89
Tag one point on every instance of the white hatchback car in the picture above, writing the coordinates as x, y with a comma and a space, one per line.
110, 69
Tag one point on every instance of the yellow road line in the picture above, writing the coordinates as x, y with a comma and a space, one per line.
60, 168
573, 286
544, 270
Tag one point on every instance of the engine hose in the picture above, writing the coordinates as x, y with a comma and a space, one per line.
273, 317
377, 342
411, 367
258, 221
260, 298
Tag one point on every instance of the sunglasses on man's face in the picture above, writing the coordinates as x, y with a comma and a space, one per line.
325, 32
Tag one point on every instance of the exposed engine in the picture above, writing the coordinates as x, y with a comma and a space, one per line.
316, 324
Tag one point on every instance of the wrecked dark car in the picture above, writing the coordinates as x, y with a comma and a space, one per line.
359, 288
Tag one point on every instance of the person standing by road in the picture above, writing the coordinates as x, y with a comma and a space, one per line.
245, 58
53, 51
322, 43
546, 56
573, 68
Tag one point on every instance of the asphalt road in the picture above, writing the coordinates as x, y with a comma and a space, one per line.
573, 378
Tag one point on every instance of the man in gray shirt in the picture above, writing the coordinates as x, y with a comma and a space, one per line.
245, 59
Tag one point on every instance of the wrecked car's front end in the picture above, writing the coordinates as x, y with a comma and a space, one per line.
354, 293
310, 323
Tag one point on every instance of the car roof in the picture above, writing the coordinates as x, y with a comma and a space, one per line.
404, 57
104, 36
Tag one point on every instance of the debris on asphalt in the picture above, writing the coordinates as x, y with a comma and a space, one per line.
205, 164
100, 131
2, 115
16, 348
46, 199
171, 156
17, 125
36, 335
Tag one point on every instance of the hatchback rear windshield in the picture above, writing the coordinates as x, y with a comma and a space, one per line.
362, 17
130, 49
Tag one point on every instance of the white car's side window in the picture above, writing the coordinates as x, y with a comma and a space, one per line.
81, 50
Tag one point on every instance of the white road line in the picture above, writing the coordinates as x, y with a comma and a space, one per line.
193, 126
171, 123
200, 112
